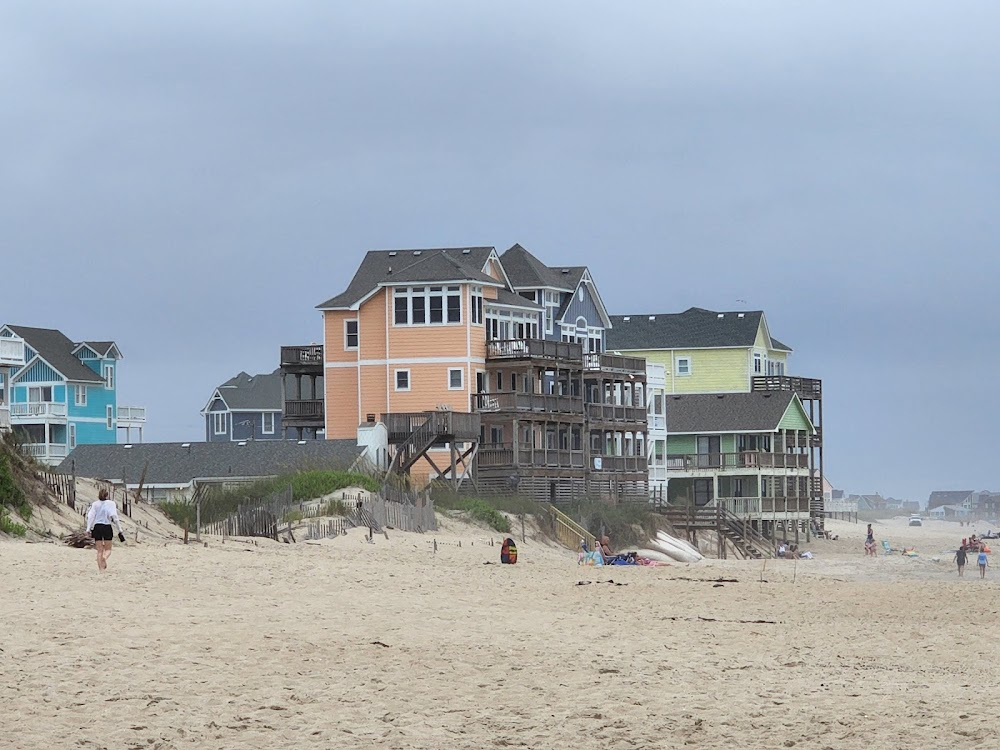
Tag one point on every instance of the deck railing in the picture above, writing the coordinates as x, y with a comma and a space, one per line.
804, 387
616, 413
11, 352
534, 349
449, 425
763, 506
302, 355
4, 417
540, 402
615, 363
620, 463
131, 414
743, 460
657, 422
304, 409
503, 455
35, 409
45, 450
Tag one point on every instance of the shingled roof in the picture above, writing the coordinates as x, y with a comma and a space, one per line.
252, 392
176, 464
413, 266
56, 349
727, 412
695, 328
947, 497
525, 271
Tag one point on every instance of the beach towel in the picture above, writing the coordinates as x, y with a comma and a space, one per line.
591, 558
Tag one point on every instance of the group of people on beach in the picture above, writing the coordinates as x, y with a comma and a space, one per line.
972, 546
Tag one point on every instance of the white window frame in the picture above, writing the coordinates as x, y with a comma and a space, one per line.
71, 435
263, 423
79, 395
109, 377
758, 364
476, 306
409, 380
348, 334
687, 361
551, 305
110, 411
442, 292
461, 378
217, 423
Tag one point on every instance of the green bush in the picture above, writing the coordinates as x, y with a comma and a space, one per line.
8, 526
12, 497
487, 514
180, 512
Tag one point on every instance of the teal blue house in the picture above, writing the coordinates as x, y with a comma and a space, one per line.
66, 393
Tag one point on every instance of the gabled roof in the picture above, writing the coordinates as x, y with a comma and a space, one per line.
57, 350
510, 299
104, 349
695, 328
727, 412
947, 497
525, 271
383, 267
176, 464
251, 392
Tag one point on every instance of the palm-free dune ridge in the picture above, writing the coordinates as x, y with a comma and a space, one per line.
341, 643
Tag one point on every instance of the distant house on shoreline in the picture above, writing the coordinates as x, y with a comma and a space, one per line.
245, 407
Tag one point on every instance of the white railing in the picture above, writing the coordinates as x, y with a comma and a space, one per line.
656, 422
4, 418
131, 414
37, 409
45, 450
11, 351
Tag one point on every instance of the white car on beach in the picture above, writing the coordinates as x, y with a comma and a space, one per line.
916, 520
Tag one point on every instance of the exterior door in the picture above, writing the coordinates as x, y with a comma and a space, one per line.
709, 452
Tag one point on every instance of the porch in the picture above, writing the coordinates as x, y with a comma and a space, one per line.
739, 462
37, 411
131, 418
11, 352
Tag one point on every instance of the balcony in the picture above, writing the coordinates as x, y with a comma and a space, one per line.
310, 409
615, 363
11, 352
764, 507
638, 464
302, 359
535, 349
616, 413
657, 422
527, 402
745, 461
45, 451
526, 456
131, 416
806, 388
444, 426
37, 411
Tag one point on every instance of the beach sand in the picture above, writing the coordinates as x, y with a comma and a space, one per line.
346, 644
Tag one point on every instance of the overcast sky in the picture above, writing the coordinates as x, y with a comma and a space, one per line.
190, 179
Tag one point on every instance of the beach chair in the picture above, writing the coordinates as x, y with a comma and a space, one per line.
886, 549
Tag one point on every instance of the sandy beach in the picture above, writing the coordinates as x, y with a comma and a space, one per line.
347, 644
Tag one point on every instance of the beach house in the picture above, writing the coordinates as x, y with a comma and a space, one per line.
65, 393
245, 407
487, 367
709, 353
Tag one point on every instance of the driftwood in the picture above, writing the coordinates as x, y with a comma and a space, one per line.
79, 539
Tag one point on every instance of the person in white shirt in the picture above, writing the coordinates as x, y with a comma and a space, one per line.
101, 515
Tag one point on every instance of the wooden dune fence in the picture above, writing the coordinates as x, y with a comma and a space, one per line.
245, 521
417, 516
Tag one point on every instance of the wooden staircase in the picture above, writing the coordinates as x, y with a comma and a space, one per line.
568, 532
749, 543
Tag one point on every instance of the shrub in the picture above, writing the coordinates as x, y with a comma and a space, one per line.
487, 514
8, 526
12, 496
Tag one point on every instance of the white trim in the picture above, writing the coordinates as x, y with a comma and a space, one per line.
215, 422
447, 292
77, 391
30, 363
216, 394
109, 376
110, 417
357, 334
677, 367
71, 435
409, 380
382, 285
263, 423
494, 255
91, 420
406, 361
461, 385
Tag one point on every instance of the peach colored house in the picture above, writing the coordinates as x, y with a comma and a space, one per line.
489, 365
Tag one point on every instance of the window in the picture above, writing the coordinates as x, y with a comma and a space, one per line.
219, 423
456, 381
496, 435
421, 305
683, 365
402, 380
109, 377
350, 334
40, 394
111, 417
480, 381
72, 435
499, 382
477, 305
757, 363
551, 307
267, 423
79, 395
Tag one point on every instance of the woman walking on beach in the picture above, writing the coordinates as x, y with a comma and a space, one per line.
982, 563
960, 557
99, 519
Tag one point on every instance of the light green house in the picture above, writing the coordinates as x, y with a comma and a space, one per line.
745, 452
702, 351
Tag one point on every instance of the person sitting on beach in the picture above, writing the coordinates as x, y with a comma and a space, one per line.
782, 549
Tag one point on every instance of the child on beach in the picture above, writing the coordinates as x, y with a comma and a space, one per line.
982, 564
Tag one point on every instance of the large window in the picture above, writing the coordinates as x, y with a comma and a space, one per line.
350, 334
39, 394
79, 395
109, 377
757, 363
219, 423
477, 305
427, 305
504, 325
267, 423
551, 308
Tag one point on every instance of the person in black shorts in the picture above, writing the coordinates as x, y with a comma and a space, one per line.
99, 519
961, 557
